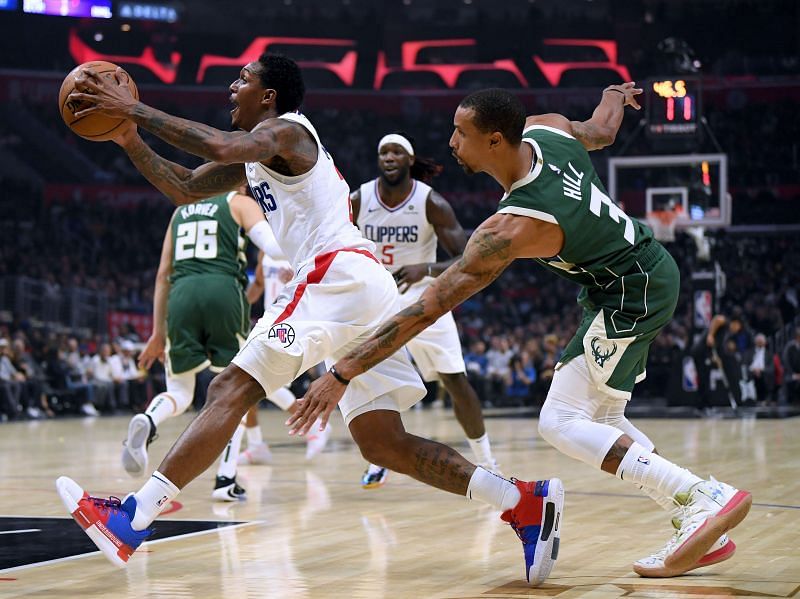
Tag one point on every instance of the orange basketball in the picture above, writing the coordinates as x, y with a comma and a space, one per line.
94, 127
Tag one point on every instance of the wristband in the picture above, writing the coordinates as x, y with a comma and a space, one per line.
612, 89
338, 376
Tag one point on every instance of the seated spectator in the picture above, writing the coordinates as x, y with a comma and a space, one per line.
11, 384
62, 378
499, 360
124, 368
522, 376
477, 366
110, 390
35, 381
791, 368
760, 365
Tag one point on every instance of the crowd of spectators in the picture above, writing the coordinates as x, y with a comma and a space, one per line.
44, 373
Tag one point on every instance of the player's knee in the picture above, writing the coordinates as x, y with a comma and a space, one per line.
235, 388
381, 447
555, 421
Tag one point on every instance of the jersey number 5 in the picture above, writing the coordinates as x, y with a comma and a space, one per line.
196, 239
387, 254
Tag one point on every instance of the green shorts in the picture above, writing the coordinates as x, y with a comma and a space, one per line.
621, 321
208, 318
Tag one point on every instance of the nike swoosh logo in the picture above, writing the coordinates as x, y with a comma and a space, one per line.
373, 209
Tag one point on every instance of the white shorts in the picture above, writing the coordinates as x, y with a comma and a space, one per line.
328, 309
437, 348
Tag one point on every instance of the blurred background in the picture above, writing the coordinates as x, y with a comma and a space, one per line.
711, 163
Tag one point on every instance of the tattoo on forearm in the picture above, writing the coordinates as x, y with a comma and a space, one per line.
189, 136
179, 183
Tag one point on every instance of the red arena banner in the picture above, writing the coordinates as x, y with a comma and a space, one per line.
142, 323
350, 56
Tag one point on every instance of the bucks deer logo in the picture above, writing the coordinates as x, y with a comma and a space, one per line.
601, 354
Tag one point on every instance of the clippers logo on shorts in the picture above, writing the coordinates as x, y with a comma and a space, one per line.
283, 332
602, 354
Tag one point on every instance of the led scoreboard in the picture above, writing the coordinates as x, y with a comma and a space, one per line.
673, 107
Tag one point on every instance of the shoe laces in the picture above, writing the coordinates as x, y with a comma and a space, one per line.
112, 504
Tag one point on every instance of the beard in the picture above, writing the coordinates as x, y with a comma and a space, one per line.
398, 177
462, 164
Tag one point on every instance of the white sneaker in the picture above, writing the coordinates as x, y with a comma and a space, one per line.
258, 454
653, 566
134, 449
316, 440
226, 489
89, 410
706, 513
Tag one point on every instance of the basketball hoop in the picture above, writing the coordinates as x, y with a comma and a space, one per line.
662, 222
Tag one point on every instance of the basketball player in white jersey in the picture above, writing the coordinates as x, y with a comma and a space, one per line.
272, 274
338, 295
406, 219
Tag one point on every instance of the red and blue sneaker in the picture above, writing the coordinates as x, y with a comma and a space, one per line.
537, 521
107, 522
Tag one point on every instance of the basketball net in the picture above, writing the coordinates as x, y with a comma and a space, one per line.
663, 224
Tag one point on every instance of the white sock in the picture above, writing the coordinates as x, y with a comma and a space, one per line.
492, 489
161, 408
227, 463
254, 437
665, 503
652, 472
373, 469
156, 493
481, 448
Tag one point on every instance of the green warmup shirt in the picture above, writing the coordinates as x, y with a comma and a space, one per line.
629, 282
207, 312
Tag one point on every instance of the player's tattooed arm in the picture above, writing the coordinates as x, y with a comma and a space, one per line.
180, 184
488, 252
601, 129
224, 147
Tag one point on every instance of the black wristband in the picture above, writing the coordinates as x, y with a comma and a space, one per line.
338, 376
611, 89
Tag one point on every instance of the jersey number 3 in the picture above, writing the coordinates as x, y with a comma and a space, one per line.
196, 239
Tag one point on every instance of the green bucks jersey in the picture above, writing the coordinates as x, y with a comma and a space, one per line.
629, 283
601, 242
207, 241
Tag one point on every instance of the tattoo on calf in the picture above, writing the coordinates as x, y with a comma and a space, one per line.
440, 466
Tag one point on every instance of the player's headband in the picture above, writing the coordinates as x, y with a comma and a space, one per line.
396, 138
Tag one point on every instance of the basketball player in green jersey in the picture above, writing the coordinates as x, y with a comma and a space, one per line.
200, 317
555, 211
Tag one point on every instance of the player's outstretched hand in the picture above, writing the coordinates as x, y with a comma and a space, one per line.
103, 96
319, 402
630, 91
153, 350
407, 275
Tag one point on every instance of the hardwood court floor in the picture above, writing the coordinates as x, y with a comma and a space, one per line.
309, 530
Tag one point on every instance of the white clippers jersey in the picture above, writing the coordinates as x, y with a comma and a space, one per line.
402, 234
309, 213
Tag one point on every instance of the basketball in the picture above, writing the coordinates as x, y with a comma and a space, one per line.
94, 127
